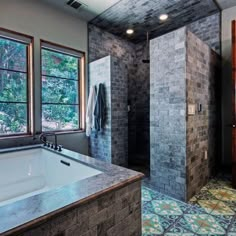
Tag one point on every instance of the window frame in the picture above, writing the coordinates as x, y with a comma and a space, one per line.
54, 47
29, 41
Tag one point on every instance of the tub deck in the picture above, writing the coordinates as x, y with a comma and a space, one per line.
27, 213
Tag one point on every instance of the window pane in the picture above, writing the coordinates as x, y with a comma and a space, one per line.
13, 55
13, 118
59, 65
59, 117
59, 91
13, 86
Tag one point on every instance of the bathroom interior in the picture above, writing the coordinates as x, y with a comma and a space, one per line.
117, 117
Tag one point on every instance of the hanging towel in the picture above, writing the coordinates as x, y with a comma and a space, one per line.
100, 109
90, 110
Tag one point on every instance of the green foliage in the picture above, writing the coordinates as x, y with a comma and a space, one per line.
61, 92
13, 117
62, 88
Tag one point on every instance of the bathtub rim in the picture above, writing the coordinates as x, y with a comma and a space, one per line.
14, 225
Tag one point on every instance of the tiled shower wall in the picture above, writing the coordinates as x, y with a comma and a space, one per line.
101, 44
168, 113
208, 30
203, 80
179, 166
141, 154
100, 144
111, 144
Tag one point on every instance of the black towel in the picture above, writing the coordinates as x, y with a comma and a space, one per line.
100, 109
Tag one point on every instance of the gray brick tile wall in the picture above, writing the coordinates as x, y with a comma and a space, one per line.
111, 145
168, 112
102, 43
184, 70
203, 77
116, 213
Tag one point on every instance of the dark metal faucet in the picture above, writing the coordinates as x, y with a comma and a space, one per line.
43, 138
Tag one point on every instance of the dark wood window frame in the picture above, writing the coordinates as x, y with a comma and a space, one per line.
81, 82
29, 41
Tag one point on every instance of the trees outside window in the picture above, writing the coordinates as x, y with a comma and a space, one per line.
60, 90
14, 75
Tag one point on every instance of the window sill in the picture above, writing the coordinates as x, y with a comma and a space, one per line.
68, 132
16, 136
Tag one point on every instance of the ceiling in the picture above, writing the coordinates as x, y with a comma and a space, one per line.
115, 16
89, 9
226, 3
143, 15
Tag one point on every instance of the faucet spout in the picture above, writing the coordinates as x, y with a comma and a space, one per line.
43, 138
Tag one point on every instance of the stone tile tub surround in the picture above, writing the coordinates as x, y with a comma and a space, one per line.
81, 208
183, 71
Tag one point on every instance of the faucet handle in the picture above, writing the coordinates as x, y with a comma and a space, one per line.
59, 148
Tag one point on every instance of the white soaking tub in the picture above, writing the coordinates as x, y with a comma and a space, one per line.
26, 173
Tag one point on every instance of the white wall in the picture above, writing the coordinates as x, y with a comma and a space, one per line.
41, 21
228, 16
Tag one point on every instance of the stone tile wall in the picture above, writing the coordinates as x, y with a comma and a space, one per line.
101, 44
208, 30
203, 79
111, 145
168, 113
119, 112
113, 214
100, 144
184, 71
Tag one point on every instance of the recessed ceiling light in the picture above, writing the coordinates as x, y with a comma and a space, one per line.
163, 17
129, 31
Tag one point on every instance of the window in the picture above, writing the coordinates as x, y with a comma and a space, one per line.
61, 74
15, 68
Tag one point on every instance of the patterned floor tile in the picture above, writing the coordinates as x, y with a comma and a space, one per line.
166, 207
192, 222
195, 209
232, 228
146, 196
179, 234
209, 226
151, 224
178, 229
222, 209
208, 205
224, 194
224, 221
211, 212
205, 195
193, 201
231, 205
158, 196
147, 208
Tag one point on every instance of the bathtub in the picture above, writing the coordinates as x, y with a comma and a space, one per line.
26, 173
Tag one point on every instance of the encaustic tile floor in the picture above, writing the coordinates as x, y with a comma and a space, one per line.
211, 212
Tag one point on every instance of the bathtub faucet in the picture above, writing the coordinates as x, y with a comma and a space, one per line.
43, 138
